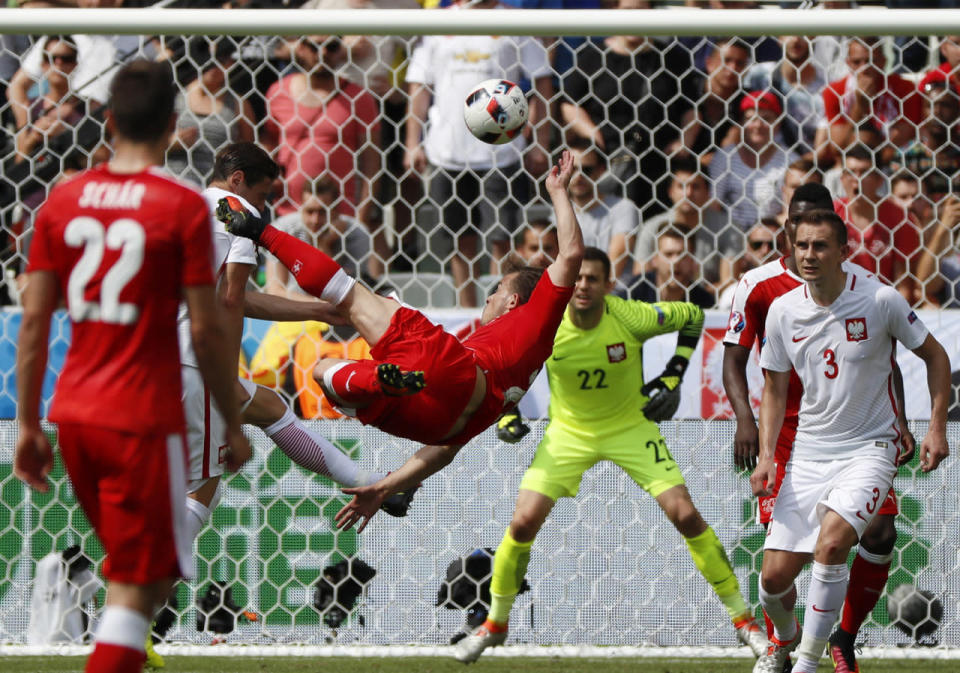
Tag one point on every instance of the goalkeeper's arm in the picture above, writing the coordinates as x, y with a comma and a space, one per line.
663, 392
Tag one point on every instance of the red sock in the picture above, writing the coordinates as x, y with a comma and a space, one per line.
312, 269
866, 584
769, 624
356, 383
109, 658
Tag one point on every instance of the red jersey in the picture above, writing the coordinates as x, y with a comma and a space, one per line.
123, 247
898, 100
512, 349
748, 316
889, 239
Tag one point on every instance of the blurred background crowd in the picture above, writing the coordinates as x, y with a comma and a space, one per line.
687, 149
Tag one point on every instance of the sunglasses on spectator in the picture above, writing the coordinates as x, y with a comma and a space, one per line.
756, 245
68, 59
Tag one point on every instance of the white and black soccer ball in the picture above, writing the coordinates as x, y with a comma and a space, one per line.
495, 111
916, 612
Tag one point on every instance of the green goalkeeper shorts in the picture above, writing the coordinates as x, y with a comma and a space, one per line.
563, 456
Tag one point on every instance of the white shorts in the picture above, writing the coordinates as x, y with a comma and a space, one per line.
206, 430
854, 488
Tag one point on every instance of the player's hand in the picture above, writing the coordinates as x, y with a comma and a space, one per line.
909, 445
511, 428
415, 159
238, 220
33, 458
933, 450
238, 449
559, 177
746, 445
366, 502
663, 392
764, 477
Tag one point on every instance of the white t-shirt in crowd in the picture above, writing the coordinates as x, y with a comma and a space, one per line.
605, 217
842, 354
452, 65
227, 249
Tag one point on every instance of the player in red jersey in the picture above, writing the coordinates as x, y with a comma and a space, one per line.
755, 292
422, 383
122, 243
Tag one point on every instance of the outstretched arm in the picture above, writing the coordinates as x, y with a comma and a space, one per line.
367, 499
273, 307
563, 272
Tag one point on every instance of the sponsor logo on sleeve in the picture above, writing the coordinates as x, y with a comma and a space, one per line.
617, 352
912, 317
737, 322
857, 329
660, 314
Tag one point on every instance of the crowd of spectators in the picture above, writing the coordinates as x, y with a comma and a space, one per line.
687, 150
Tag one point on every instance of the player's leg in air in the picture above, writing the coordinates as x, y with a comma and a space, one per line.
354, 383
868, 577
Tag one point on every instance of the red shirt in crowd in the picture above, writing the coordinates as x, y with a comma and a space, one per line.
890, 238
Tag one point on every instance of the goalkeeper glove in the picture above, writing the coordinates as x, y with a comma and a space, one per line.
239, 221
663, 392
511, 428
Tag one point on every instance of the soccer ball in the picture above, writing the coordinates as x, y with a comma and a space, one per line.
916, 612
495, 111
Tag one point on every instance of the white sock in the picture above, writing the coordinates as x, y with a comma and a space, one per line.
317, 454
828, 587
198, 515
336, 289
124, 627
784, 622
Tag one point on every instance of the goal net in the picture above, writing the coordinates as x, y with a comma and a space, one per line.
687, 147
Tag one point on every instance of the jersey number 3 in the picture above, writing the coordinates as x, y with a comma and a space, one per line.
831, 363
125, 235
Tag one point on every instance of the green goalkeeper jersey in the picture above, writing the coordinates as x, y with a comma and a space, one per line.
596, 374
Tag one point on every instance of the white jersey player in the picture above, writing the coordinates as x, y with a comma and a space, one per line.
837, 331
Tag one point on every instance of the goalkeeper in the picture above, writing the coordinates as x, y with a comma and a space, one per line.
601, 410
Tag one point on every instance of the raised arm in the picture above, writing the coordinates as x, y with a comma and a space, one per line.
563, 271
934, 447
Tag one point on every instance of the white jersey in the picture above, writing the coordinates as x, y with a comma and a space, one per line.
452, 65
227, 249
843, 354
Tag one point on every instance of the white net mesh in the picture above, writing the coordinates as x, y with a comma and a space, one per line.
688, 147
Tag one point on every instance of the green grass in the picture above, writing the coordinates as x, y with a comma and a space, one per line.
438, 665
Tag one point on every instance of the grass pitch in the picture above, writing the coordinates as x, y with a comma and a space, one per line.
438, 665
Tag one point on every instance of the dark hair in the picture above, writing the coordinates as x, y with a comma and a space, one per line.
586, 146
684, 164
861, 152
591, 254
824, 216
523, 280
142, 96
808, 168
903, 176
324, 184
62, 39
813, 193
252, 159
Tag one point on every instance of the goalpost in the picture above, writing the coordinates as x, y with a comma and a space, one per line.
609, 575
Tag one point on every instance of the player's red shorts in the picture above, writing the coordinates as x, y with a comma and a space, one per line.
781, 455
413, 343
133, 490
